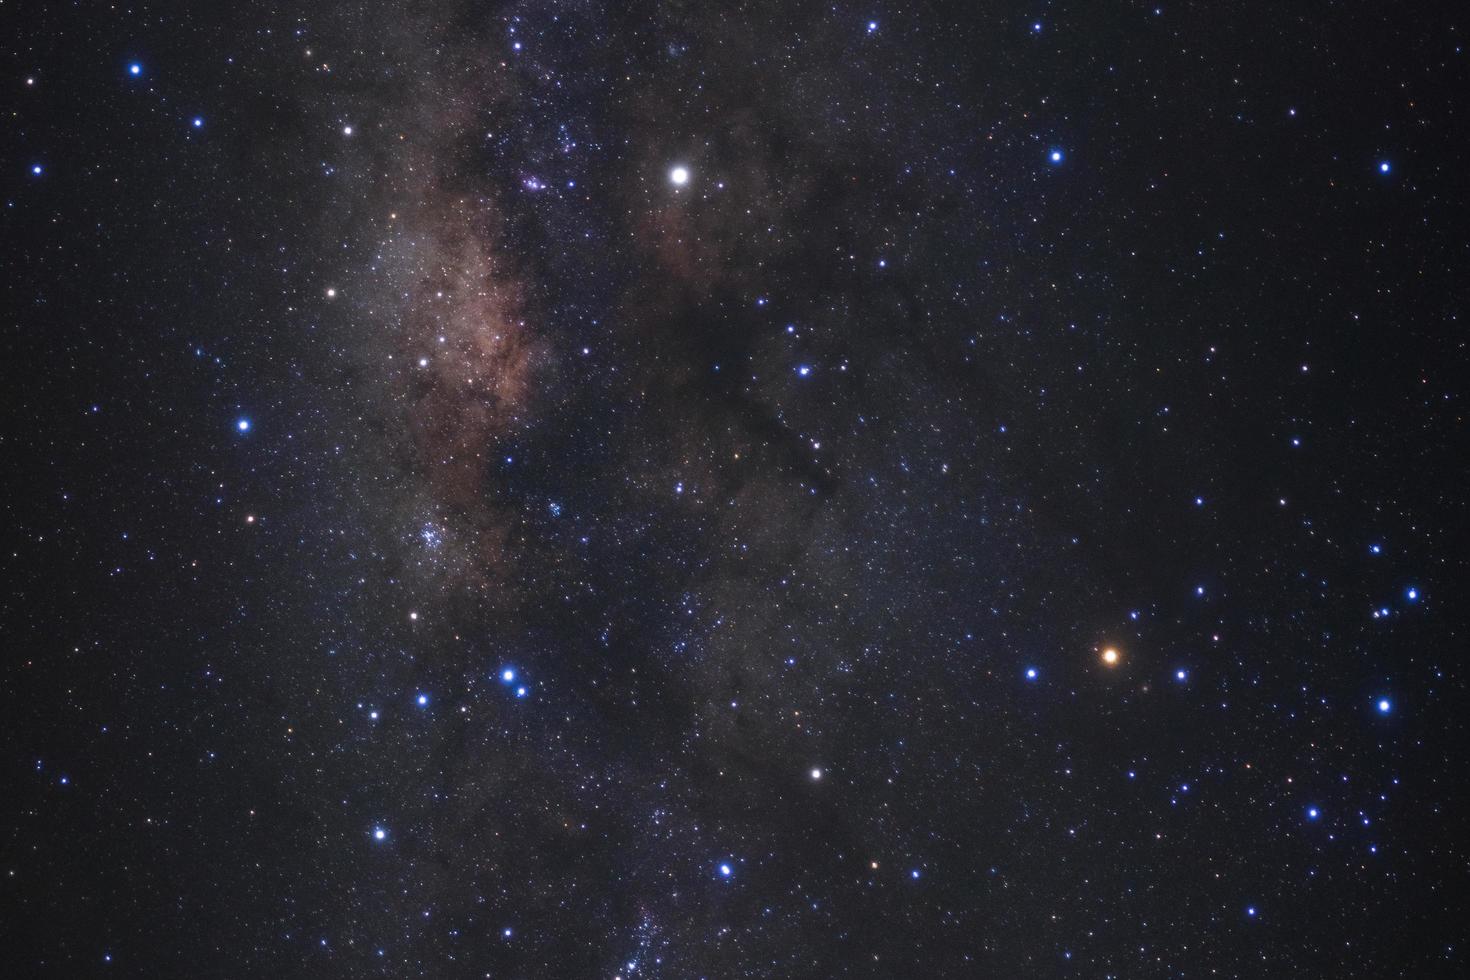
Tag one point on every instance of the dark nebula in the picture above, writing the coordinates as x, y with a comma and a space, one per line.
698, 490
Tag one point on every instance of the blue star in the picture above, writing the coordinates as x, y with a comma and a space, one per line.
243, 425
804, 370
1384, 706
135, 69
872, 26
379, 833
520, 692
1375, 549
197, 122
726, 871
507, 675
1312, 813
1250, 910
423, 700
1055, 155
1031, 673
36, 170
1412, 594
1181, 675
914, 874
1036, 27
1384, 167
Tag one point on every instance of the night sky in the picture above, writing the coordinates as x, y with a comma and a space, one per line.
732, 490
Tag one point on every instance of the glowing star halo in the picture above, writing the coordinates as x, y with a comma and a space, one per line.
1110, 656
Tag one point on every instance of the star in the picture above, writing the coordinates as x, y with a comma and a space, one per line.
197, 122
135, 69
1110, 656
380, 834
243, 425
1384, 706
507, 675
1056, 156
422, 699
1412, 594
1384, 167
872, 26
679, 176
1031, 673
816, 774
346, 130
36, 170
1312, 813
726, 871
1180, 675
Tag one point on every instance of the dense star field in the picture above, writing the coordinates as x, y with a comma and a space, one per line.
685, 489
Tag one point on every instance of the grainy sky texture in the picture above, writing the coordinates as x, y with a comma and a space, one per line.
733, 490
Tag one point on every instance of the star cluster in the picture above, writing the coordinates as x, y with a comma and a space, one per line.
635, 490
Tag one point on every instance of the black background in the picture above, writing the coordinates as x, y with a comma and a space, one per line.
712, 573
